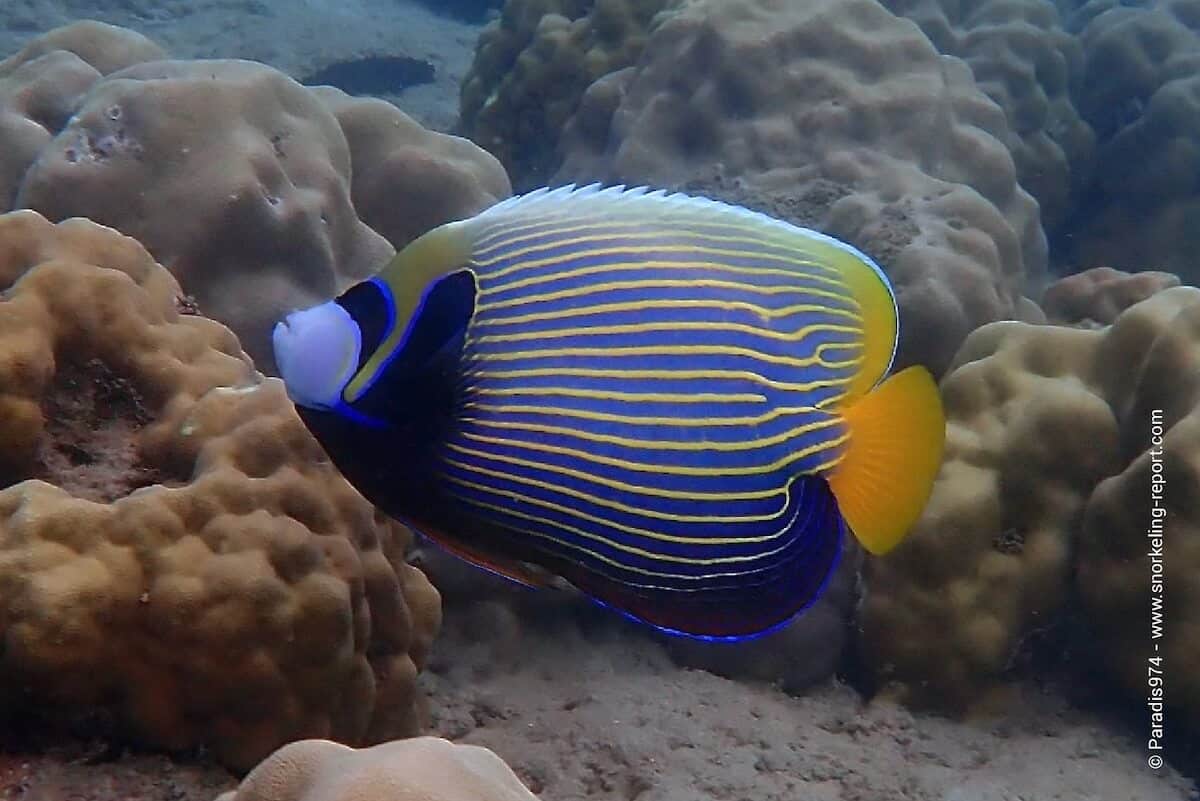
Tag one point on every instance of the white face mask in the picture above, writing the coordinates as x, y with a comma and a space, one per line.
317, 350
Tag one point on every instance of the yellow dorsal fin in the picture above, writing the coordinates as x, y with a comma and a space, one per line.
897, 433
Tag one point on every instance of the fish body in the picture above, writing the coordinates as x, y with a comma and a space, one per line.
671, 402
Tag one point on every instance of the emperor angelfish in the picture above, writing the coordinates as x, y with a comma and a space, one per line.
675, 404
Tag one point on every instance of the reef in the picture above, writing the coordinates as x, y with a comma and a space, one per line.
1140, 91
1025, 61
864, 131
1044, 511
426, 768
180, 563
531, 68
248, 198
1097, 296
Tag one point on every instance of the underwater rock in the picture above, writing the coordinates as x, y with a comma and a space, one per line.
179, 561
1043, 505
533, 65
1099, 295
425, 768
1025, 61
408, 179
863, 131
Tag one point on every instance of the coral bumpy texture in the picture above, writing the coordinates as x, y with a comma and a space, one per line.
177, 554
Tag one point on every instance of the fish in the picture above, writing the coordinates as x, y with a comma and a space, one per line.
676, 405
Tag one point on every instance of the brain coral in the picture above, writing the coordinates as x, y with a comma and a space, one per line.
421, 769
239, 180
532, 66
1023, 59
1042, 505
838, 115
177, 554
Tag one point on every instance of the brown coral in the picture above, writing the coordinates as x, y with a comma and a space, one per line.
421, 769
1099, 295
533, 65
238, 179
862, 130
246, 197
1141, 94
1023, 59
41, 85
407, 179
176, 552
1047, 477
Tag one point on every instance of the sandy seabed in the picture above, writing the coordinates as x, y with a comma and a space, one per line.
593, 709
585, 707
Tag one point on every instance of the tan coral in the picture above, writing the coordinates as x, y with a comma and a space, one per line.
1045, 475
861, 130
1141, 94
532, 67
1099, 295
41, 85
420, 769
245, 198
176, 552
407, 179
1023, 59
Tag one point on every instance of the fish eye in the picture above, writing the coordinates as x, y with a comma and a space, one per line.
372, 307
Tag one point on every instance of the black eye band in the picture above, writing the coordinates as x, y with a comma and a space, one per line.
370, 304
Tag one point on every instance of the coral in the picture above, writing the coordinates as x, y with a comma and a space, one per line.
863, 131
177, 554
407, 179
532, 67
1141, 94
246, 198
41, 85
1097, 296
421, 769
238, 179
1042, 506
1024, 60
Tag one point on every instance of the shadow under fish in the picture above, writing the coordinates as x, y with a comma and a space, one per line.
677, 405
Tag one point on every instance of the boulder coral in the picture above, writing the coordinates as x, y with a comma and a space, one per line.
40, 87
408, 179
1140, 92
1025, 61
238, 179
246, 197
424, 768
838, 115
1099, 295
531, 69
1042, 507
178, 557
